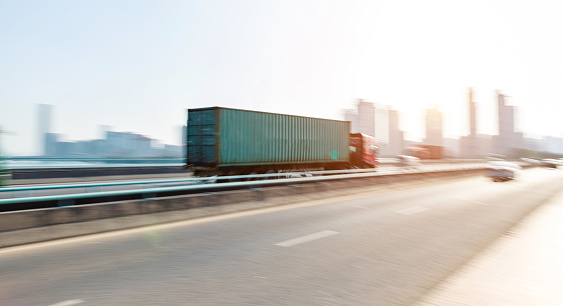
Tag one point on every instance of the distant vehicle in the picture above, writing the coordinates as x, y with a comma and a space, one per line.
226, 141
408, 162
549, 163
495, 156
531, 161
500, 171
422, 151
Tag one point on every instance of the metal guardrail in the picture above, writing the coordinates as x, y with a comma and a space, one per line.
68, 200
194, 180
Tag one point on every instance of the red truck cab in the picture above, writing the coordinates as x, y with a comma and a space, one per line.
363, 151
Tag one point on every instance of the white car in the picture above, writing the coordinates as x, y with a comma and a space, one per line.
500, 171
408, 162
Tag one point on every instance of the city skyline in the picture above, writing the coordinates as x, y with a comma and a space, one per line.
108, 144
382, 122
145, 64
379, 121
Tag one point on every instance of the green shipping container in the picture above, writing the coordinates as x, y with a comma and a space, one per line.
225, 137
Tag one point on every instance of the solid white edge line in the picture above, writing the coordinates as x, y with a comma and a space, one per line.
303, 239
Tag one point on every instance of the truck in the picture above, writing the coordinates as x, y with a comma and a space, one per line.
423, 151
228, 141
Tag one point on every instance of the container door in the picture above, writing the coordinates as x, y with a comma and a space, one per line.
201, 137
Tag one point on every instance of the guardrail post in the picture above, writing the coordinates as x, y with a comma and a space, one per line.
63, 203
149, 195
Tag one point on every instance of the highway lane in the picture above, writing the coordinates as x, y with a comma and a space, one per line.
385, 248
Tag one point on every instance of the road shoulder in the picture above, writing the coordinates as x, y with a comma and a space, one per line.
524, 267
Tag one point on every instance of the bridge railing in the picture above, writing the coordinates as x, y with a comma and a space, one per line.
66, 200
26, 191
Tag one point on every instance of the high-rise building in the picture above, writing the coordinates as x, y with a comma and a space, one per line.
376, 121
381, 123
505, 118
396, 137
43, 128
472, 140
366, 118
508, 140
352, 116
469, 144
362, 120
50, 144
472, 115
434, 132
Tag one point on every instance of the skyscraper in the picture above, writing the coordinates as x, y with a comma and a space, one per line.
366, 118
434, 133
472, 115
396, 141
352, 116
381, 124
470, 146
43, 128
508, 140
362, 120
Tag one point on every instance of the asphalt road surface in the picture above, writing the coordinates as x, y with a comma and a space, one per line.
384, 248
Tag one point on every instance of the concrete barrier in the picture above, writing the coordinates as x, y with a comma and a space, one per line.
31, 226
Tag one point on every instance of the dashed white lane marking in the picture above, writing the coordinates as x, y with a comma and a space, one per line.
470, 200
483, 203
303, 239
69, 303
362, 207
412, 210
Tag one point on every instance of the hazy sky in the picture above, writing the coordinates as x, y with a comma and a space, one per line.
138, 65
